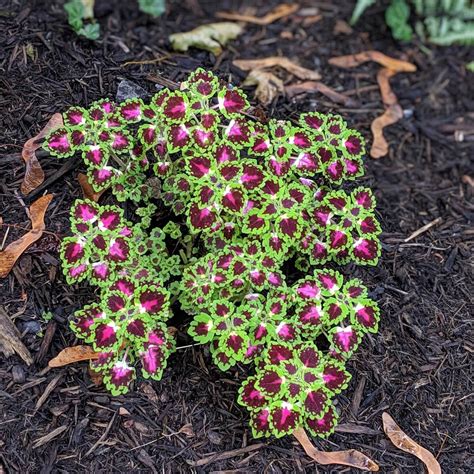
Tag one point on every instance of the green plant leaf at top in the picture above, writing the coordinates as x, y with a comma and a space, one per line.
396, 16
152, 7
359, 9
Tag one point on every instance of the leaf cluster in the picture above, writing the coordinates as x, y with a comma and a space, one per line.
257, 213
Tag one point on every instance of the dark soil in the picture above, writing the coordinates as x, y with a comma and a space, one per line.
416, 368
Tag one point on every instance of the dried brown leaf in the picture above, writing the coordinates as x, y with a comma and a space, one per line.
278, 61
379, 145
342, 28
354, 60
316, 86
34, 174
96, 377
277, 13
87, 190
268, 85
350, 457
402, 441
13, 251
69, 355
392, 114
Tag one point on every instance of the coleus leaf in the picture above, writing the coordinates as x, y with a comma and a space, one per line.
323, 425
232, 102
118, 377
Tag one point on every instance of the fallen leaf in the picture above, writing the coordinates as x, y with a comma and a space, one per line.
354, 60
350, 457
34, 174
342, 28
402, 441
69, 355
274, 61
87, 189
466, 179
13, 251
268, 85
210, 37
316, 86
277, 13
392, 114
187, 430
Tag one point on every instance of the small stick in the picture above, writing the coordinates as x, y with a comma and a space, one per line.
423, 229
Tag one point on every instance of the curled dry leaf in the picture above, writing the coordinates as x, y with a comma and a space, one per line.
268, 85
392, 114
210, 37
87, 190
34, 174
278, 61
316, 86
354, 60
69, 355
405, 443
277, 13
13, 251
350, 457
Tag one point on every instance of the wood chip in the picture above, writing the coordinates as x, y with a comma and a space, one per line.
354, 60
49, 437
278, 61
277, 13
316, 86
10, 342
47, 391
225, 455
34, 174
10, 255
350, 457
402, 441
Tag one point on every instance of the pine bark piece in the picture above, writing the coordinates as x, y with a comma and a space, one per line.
10, 342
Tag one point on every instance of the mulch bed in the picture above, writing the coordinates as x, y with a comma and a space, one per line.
416, 368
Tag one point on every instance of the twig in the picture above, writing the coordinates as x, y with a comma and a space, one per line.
423, 229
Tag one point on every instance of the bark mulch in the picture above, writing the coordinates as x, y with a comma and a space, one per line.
416, 368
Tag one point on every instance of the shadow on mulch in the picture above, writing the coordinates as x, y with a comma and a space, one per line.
416, 367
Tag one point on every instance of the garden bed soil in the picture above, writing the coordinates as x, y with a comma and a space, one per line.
416, 368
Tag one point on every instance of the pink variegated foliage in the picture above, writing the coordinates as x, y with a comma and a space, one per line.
256, 211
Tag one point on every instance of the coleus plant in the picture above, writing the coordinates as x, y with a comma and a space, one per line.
255, 215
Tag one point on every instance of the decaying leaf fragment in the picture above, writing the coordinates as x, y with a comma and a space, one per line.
278, 12
69, 355
315, 86
34, 174
350, 457
268, 85
402, 441
274, 61
392, 114
354, 60
210, 37
10, 255
87, 190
